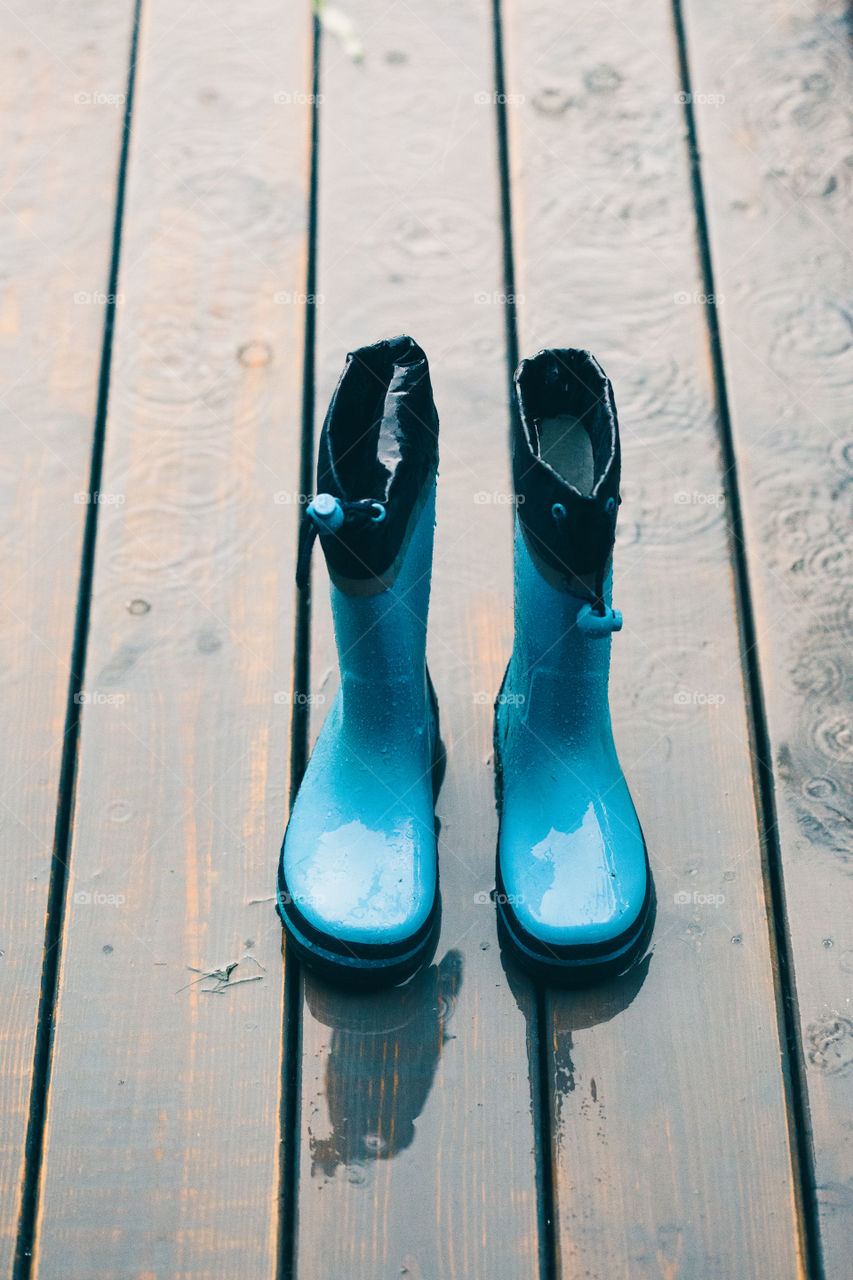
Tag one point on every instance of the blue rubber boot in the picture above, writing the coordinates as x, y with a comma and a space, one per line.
358, 875
573, 888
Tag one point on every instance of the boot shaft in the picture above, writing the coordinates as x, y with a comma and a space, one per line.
558, 676
381, 639
374, 513
566, 469
379, 443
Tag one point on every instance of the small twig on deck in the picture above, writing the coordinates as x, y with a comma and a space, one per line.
222, 977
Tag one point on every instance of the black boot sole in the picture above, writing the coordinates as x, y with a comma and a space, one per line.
578, 966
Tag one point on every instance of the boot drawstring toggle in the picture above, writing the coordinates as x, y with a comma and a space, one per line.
326, 515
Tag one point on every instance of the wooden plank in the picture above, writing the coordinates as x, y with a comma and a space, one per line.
62, 83
772, 88
671, 1152
417, 1137
162, 1146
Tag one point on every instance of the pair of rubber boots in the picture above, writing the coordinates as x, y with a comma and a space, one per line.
358, 887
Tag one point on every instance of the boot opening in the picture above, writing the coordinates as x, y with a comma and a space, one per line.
568, 414
369, 422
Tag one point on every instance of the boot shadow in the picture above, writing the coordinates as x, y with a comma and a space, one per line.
581, 1007
384, 1052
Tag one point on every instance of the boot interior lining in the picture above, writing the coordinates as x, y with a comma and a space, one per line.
569, 414
565, 445
357, 431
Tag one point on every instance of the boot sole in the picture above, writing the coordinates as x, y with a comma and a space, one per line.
359, 970
579, 966
372, 965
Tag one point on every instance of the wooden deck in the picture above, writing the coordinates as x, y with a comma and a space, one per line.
205, 205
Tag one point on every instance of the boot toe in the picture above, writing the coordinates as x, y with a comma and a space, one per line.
579, 895
360, 887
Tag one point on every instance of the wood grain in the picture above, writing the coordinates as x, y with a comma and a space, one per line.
671, 1156
417, 1135
772, 90
162, 1145
61, 151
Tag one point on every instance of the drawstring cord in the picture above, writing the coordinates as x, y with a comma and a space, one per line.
596, 618
325, 515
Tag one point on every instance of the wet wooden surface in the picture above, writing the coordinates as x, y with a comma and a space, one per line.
417, 1134
604, 220
777, 144
162, 1148
199, 1122
61, 156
